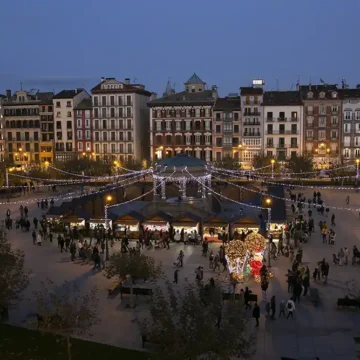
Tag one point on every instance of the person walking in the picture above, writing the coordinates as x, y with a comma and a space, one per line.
341, 256
333, 220
273, 307
38, 239
73, 251
33, 234
176, 276
347, 200
282, 309
306, 283
102, 260
291, 308
326, 272
256, 314
247, 293
346, 255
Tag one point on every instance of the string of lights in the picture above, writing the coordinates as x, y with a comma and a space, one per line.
139, 197
225, 197
281, 198
77, 193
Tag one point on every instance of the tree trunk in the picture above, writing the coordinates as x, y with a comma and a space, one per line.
68, 346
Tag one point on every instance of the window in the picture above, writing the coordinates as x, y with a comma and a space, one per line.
322, 95
97, 136
322, 121
104, 124
112, 112
96, 112
218, 129
188, 125
128, 112
207, 139
347, 115
236, 116
236, 128
168, 139
120, 101
78, 123
197, 139
334, 109
103, 112
218, 142
68, 104
294, 115
346, 153
87, 135
96, 101
128, 100
112, 100
58, 114
69, 114
105, 148
58, 104
105, 137
80, 146
310, 109
158, 125
178, 139
188, 139
334, 120
68, 125
103, 101
322, 134
87, 123
112, 136
269, 115
112, 124
334, 134
310, 120
79, 135
129, 124
121, 112
113, 148
310, 95
158, 139
357, 153
322, 109
129, 148
357, 115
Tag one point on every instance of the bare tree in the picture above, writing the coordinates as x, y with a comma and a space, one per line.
130, 267
65, 311
196, 324
13, 278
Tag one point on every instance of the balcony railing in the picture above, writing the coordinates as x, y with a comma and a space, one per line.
282, 146
294, 146
252, 134
294, 119
252, 123
252, 113
282, 119
270, 145
227, 130
282, 132
270, 119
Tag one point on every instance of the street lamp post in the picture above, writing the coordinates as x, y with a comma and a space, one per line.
108, 200
272, 168
268, 203
357, 168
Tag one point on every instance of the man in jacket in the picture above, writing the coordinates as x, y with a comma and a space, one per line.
291, 308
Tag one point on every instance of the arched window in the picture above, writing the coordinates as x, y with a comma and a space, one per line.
31, 124
25, 124
18, 124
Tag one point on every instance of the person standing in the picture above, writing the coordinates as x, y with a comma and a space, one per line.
176, 276
282, 309
256, 314
306, 283
341, 256
73, 251
326, 272
247, 298
291, 308
346, 255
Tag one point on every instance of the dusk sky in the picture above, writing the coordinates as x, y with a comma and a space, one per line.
48, 44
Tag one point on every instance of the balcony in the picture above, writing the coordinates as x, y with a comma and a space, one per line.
282, 146
252, 134
251, 102
227, 131
294, 146
282, 132
270, 145
252, 123
227, 118
251, 113
270, 119
334, 124
294, 119
309, 138
280, 119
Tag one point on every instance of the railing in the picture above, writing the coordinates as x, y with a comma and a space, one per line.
270, 119
294, 146
294, 119
270, 145
252, 134
252, 113
227, 131
282, 119
282, 132
254, 123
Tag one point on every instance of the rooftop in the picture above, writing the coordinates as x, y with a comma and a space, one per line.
227, 103
68, 94
251, 91
194, 79
316, 90
282, 98
185, 98
181, 160
350, 93
111, 85
86, 104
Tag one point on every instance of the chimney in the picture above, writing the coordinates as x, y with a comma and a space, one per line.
153, 96
214, 92
8, 94
127, 81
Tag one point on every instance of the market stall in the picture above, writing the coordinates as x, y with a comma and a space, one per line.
96, 223
244, 225
129, 222
214, 228
158, 221
188, 223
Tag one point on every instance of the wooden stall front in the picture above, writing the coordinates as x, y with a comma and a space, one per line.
129, 222
158, 221
244, 224
187, 222
214, 227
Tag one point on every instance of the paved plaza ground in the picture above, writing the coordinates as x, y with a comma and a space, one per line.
323, 331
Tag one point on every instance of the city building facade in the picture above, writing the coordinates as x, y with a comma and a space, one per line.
64, 104
252, 120
83, 119
120, 121
182, 122
2, 134
46, 129
283, 124
322, 125
226, 129
350, 123
22, 127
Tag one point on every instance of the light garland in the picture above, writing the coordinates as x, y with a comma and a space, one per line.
225, 197
285, 199
70, 195
137, 198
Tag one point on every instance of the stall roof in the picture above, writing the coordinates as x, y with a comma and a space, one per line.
187, 217
62, 209
123, 209
159, 216
218, 218
132, 215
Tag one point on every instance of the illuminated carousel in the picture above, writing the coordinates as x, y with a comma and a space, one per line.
245, 258
181, 170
